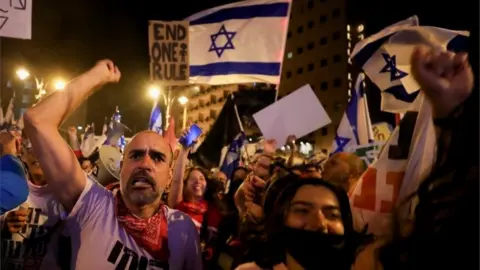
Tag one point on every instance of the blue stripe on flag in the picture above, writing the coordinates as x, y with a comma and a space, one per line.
226, 68
245, 12
399, 92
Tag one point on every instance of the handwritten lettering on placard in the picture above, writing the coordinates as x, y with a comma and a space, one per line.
169, 52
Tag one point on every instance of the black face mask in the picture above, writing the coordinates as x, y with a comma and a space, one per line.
316, 250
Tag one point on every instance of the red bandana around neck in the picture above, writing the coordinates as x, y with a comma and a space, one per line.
151, 234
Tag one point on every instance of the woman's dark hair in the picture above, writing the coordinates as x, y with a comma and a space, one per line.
273, 229
445, 229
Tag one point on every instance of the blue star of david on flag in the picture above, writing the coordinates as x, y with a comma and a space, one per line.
228, 44
391, 66
341, 143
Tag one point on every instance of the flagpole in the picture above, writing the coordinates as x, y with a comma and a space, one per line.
167, 109
240, 125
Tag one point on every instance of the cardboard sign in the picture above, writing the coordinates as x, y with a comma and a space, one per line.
168, 45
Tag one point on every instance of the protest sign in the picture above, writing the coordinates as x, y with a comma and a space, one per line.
16, 19
168, 46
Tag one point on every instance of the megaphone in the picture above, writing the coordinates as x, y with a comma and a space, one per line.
108, 165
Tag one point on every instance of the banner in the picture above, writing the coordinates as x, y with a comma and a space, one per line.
168, 50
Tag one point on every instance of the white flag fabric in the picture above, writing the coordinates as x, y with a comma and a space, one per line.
88, 142
385, 58
395, 174
155, 123
355, 127
9, 117
241, 42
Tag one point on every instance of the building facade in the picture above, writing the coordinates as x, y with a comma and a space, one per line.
206, 102
319, 42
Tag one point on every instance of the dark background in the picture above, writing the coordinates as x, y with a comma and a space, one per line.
70, 36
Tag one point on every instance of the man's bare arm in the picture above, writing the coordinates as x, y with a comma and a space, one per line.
58, 162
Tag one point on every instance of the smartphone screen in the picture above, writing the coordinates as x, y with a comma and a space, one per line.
193, 133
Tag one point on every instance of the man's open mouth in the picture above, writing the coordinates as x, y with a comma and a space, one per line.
141, 183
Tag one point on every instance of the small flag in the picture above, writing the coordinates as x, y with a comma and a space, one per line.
9, 116
115, 129
239, 43
355, 127
233, 155
155, 123
88, 143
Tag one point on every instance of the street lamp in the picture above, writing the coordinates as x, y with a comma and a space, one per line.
183, 100
154, 92
59, 84
22, 73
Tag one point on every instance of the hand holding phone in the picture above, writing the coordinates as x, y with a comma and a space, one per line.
191, 136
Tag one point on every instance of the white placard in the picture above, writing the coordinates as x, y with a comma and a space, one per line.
16, 18
297, 114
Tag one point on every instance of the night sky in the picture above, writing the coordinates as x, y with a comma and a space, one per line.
70, 36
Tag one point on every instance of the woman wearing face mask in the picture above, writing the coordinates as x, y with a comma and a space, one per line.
309, 227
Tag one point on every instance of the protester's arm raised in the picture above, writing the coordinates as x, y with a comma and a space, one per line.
59, 164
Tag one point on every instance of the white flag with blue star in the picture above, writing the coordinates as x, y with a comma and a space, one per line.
241, 42
155, 123
385, 59
355, 127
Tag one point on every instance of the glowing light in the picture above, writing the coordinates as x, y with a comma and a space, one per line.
59, 84
154, 92
183, 100
22, 73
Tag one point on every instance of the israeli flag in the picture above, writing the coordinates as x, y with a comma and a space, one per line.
155, 122
242, 42
232, 158
385, 59
355, 127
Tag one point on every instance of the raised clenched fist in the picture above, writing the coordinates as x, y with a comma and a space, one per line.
445, 77
106, 71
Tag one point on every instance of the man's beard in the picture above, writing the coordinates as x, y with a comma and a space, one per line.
143, 196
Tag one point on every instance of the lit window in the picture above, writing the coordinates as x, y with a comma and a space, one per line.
289, 55
361, 37
348, 27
